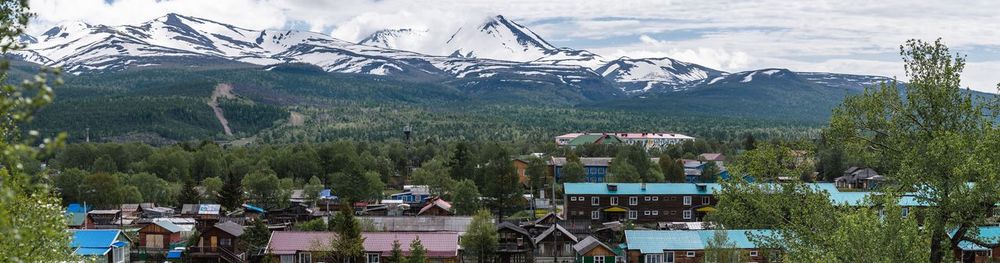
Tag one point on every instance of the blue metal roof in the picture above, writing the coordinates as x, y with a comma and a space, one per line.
76, 208
174, 254
656, 241
988, 234
91, 251
253, 208
88, 242
636, 189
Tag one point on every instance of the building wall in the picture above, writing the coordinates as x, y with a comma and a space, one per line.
668, 208
681, 256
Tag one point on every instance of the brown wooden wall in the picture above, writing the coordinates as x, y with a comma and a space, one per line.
669, 207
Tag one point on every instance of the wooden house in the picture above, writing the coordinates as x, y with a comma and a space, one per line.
101, 245
294, 246
591, 250
987, 251
688, 246
555, 243
219, 243
515, 244
205, 214
594, 203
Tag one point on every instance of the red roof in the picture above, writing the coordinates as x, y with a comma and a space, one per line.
438, 244
437, 202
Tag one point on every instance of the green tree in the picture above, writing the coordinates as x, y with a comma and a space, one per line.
69, 182
256, 236
105, 164
189, 195
348, 242
31, 221
481, 239
263, 188
213, 188
932, 138
153, 188
465, 197
436, 175
312, 189
418, 254
623, 172
573, 172
231, 196
396, 256
710, 172
538, 173
749, 143
462, 165
360, 187
499, 181
768, 162
667, 167
312, 225
720, 249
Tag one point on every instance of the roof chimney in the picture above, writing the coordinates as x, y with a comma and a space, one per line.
643, 186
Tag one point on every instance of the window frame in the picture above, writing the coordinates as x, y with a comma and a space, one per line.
368, 258
690, 254
687, 214
646, 212
614, 200
753, 253
304, 257
656, 212
632, 214
595, 200
656, 198
706, 200
633, 200
687, 200
595, 215
599, 257
906, 212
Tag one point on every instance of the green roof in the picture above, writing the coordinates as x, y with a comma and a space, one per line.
594, 138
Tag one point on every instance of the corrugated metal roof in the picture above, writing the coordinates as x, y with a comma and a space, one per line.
91, 251
438, 244
92, 242
637, 189
656, 241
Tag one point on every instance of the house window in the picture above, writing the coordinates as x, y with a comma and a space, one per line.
690, 254
645, 213
305, 257
687, 214
226, 242
632, 214
614, 200
595, 200
753, 253
595, 214
706, 200
656, 212
633, 200
647, 198
906, 212
674, 212
373, 258
656, 198
669, 256
655, 258
687, 200
599, 259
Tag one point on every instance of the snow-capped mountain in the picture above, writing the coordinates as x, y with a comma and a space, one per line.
664, 74
182, 40
495, 37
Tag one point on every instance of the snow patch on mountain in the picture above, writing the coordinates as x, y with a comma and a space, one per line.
645, 74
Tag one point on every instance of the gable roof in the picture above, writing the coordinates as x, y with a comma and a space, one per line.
547, 216
231, 228
552, 229
438, 202
588, 244
712, 157
438, 244
419, 223
515, 228
987, 234
169, 226
200, 209
76, 218
94, 242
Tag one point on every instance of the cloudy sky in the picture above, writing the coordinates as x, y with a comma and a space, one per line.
845, 36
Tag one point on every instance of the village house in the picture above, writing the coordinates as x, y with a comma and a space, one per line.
219, 243
103, 219
595, 203
970, 252
591, 250
308, 247
101, 245
688, 246
718, 158
555, 245
414, 195
859, 178
515, 244
205, 214
456, 224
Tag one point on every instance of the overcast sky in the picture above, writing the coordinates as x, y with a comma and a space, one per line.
861, 37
